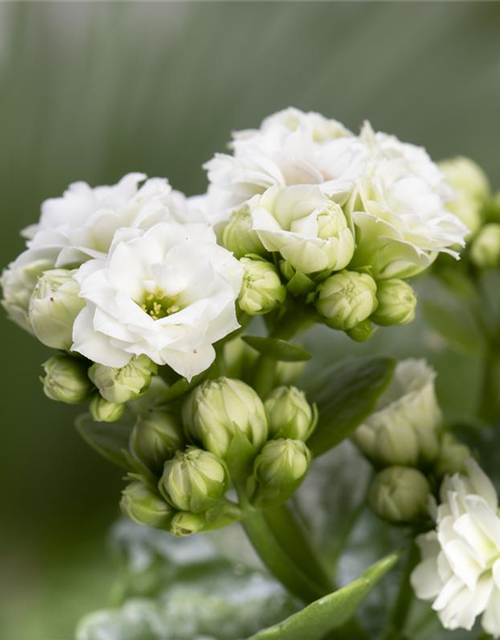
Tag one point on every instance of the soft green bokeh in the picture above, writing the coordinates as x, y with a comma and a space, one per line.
91, 91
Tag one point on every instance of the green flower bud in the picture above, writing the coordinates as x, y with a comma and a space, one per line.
399, 494
66, 380
403, 429
238, 236
346, 299
155, 438
103, 411
362, 331
466, 176
194, 480
279, 470
261, 290
288, 372
298, 283
485, 249
468, 209
452, 457
216, 411
289, 414
144, 506
396, 303
124, 384
54, 305
185, 523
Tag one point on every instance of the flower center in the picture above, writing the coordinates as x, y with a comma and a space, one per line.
158, 305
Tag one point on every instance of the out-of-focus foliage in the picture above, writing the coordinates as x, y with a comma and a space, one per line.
90, 91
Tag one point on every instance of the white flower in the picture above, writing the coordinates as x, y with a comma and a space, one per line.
305, 226
81, 224
403, 428
168, 292
460, 567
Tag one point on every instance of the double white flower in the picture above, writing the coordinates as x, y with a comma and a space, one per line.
168, 292
460, 568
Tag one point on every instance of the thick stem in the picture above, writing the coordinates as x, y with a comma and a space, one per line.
404, 598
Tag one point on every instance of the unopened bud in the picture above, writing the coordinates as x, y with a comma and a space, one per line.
485, 249
66, 380
219, 410
124, 384
155, 438
362, 331
289, 414
346, 299
238, 236
194, 480
288, 372
186, 523
399, 494
103, 411
145, 506
396, 303
466, 176
452, 457
54, 305
262, 289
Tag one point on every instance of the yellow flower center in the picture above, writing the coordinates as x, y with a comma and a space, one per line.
158, 305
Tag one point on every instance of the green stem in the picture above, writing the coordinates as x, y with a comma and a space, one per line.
404, 598
488, 401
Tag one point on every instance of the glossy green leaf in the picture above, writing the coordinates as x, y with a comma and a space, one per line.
110, 439
330, 612
346, 393
278, 349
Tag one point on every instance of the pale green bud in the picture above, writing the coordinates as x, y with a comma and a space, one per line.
465, 175
346, 299
238, 236
399, 495
279, 469
485, 249
155, 438
54, 305
362, 331
403, 429
103, 411
66, 380
289, 414
194, 480
288, 372
124, 384
452, 456
261, 290
219, 410
396, 303
468, 209
185, 523
145, 506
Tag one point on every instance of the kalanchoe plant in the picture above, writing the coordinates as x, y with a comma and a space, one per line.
151, 299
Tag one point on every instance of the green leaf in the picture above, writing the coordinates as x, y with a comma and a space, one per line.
454, 321
278, 349
110, 439
330, 612
346, 393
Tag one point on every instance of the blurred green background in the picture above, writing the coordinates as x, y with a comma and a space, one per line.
92, 91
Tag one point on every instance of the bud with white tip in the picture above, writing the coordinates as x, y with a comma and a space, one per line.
238, 236
400, 495
155, 438
126, 383
145, 506
289, 414
103, 411
466, 176
396, 303
261, 290
66, 380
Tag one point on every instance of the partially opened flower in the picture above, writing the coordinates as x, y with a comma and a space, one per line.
460, 568
168, 293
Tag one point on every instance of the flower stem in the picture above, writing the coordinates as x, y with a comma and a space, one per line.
488, 401
404, 598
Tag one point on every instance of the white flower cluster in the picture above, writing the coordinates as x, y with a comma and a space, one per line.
460, 568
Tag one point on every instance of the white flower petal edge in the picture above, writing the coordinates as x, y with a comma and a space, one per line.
168, 292
460, 567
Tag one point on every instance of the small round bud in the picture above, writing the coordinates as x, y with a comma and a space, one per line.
155, 438
66, 380
124, 384
399, 494
145, 506
466, 176
485, 249
396, 303
452, 457
185, 523
362, 331
346, 299
54, 305
194, 480
238, 236
103, 411
218, 410
279, 469
289, 414
262, 289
